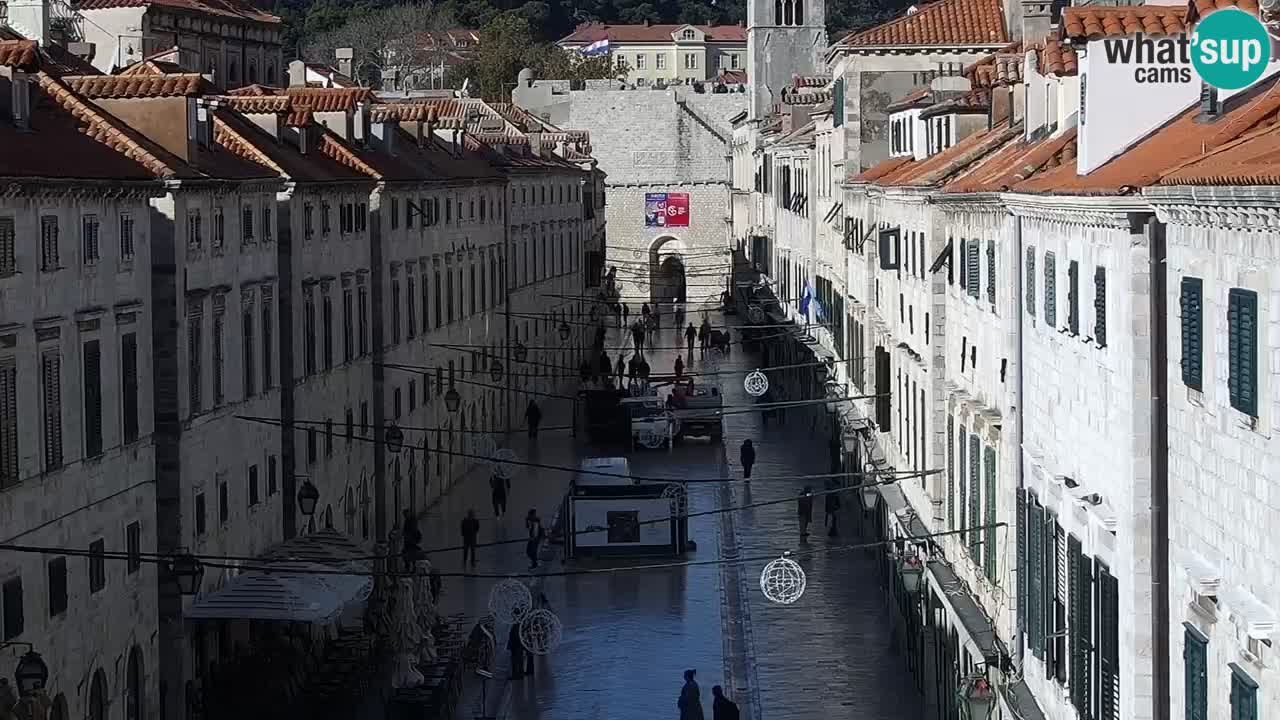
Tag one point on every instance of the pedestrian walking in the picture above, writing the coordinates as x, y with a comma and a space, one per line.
536, 536
690, 702
532, 522
470, 531
620, 368
748, 458
605, 365
533, 416
625, 313
637, 337
832, 506
521, 661
689, 335
412, 537
804, 507
679, 367
500, 484
722, 708
644, 311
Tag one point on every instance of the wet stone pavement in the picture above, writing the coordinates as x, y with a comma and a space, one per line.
628, 636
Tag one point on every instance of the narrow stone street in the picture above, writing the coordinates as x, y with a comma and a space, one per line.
628, 636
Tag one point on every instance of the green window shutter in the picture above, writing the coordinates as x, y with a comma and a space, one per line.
991, 271
1076, 614
1020, 527
837, 103
1100, 306
1242, 350
1191, 300
1031, 282
1053, 646
962, 476
1244, 695
1083, 681
951, 472
975, 492
1035, 570
1108, 644
1195, 651
1073, 297
1050, 291
974, 270
989, 459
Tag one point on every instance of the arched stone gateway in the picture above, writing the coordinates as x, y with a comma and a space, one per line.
668, 281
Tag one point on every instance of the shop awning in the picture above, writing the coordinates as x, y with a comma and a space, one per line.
328, 547
290, 592
966, 610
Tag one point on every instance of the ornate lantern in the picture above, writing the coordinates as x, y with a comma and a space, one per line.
308, 496
911, 569
32, 673
189, 571
520, 352
453, 400
565, 331
977, 698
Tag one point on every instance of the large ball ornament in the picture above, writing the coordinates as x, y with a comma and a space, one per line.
756, 383
540, 631
509, 600
678, 496
782, 581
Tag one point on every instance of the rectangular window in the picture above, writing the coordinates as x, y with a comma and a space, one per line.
92, 361
471, 289
309, 331
11, 599
449, 297
973, 271
410, 297
660, 62
266, 223
57, 570
326, 319
1244, 694
328, 438
425, 301
1100, 306
989, 544
1020, 530
8, 247
313, 446
1035, 570
202, 514
129, 386
308, 225
250, 374
1242, 350
640, 62
1050, 291
951, 472
271, 475
350, 419
224, 502
254, 497
413, 395
8, 422
991, 273
1030, 289
1108, 645
395, 213
362, 318
126, 238
348, 325
49, 243
133, 547
219, 360
89, 248
975, 500
97, 566
395, 312
1080, 625
268, 350
219, 228
51, 390
1190, 301
1073, 297
690, 61
396, 404
246, 224
1195, 662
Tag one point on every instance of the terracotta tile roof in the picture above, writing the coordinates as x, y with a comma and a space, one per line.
971, 102
944, 22
72, 139
256, 90
243, 138
257, 104
414, 112
939, 168
999, 69
1017, 161
1057, 58
222, 8
21, 54
524, 119
152, 67
808, 81
802, 97
329, 99
920, 97
1182, 139
591, 32
1197, 9
1090, 22
879, 170
299, 118
733, 77
1251, 160
138, 86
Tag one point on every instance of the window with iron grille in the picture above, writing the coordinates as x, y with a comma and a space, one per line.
268, 326
126, 237
1191, 303
195, 349
90, 251
51, 391
8, 421
57, 571
309, 331
254, 497
1050, 291
49, 243
411, 297
348, 325
219, 350
1242, 350
326, 325
362, 318
8, 247
92, 374
97, 566
246, 224
246, 346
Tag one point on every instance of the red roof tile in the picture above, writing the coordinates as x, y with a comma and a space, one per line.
258, 104
20, 54
944, 22
256, 90
138, 86
1090, 22
999, 69
1057, 58
920, 97
941, 167
1197, 9
222, 8
591, 32
1181, 139
970, 102
329, 99
1016, 161
152, 67
733, 77
1251, 160
879, 170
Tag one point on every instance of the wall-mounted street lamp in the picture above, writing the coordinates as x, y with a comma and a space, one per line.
453, 400
520, 352
308, 496
495, 370
188, 571
565, 331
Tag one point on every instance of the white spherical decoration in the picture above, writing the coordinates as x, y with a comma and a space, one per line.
782, 580
756, 383
540, 632
509, 600
679, 497
651, 439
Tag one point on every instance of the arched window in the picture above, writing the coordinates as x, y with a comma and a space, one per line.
253, 72
233, 71
777, 12
799, 12
59, 711
136, 692
328, 517
787, 13
270, 77
349, 510
98, 696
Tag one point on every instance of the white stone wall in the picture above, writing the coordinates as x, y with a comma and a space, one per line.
1222, 508
87, 499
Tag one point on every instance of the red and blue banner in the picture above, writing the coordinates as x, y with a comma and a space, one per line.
666, 209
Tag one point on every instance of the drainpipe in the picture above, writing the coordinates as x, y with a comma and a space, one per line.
1159, 472
1019, 413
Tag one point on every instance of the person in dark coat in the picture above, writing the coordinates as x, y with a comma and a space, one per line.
620, 369
722, 708
748, 458
637, 337
412, 537
689, 335
605, 365
679, 367
500, 485
470, 531
533, 416
626, 311
804, 507
832, 507
536, 536
690, 702
704, 335
519, 662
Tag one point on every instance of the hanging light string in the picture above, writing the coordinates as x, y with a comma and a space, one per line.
770, 326
289, 565
424, 370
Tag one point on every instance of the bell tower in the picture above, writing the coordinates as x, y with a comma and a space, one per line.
784, 38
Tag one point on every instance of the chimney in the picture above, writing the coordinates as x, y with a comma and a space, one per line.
345, 56
1210, 105
304, 138
1036, 18
297, 74
361, 124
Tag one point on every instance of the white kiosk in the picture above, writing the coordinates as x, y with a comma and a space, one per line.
612, 514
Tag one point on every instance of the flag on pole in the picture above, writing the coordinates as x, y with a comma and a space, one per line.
599, 47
